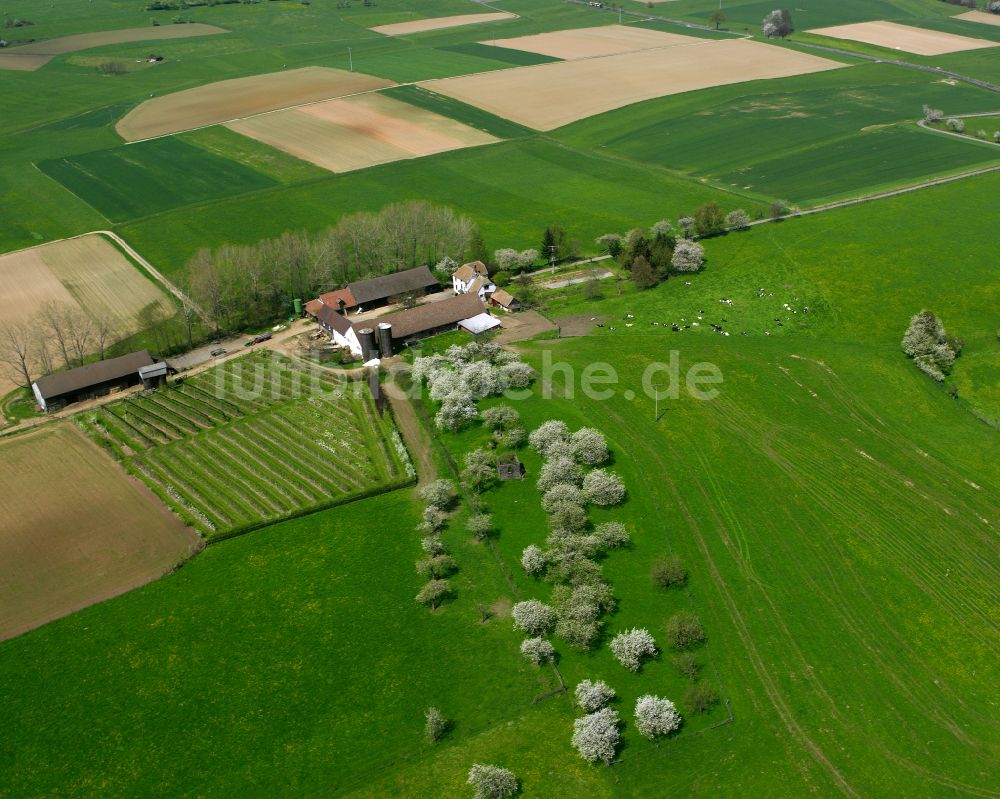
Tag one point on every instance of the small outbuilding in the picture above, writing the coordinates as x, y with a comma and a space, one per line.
503, 299
479, 323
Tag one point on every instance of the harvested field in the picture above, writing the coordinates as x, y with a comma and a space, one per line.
590, 42
87, 273
981, 17
74, 529
29, 57
548, 96
357, 132
439, 23
232, 99
904, 37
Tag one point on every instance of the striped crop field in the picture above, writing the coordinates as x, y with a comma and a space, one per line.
241, 445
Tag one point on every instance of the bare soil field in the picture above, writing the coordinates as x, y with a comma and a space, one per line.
74, 528
548, 96
904, 37
29, 57
981, 17
439, 23
87, 273
590, 42
229, 100
357, 132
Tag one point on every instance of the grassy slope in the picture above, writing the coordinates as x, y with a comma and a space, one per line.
263, 667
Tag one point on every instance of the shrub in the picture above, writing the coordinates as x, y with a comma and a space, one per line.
440, 494
596, 735
562, 493
537, 650
533, 617
500, 417
709, 219
433, 592
630, 647
546, 435
701, 697
655, 716
684, 631
611, 535
480, 525
592, 696
669, 572
687, 664
603, 488
558, 471
436, 725
533, 560
491, 782
589, 446
930, 347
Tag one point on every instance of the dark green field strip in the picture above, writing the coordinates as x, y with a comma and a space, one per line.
459, 111
149, 177
505, 55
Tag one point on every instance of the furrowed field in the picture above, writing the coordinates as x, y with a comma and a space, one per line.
256, 440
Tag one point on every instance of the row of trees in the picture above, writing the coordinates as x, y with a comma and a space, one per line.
246, 286
61, 335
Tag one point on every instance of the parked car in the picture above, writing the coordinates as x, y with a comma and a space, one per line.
218, 353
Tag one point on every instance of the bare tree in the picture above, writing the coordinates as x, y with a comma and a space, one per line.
103, 332
17, 344
79, 329
54, 319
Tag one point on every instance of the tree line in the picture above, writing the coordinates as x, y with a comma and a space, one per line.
244, 286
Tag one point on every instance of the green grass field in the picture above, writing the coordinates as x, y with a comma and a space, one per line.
150, 177
250, 442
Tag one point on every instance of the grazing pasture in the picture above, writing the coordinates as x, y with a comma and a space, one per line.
440, 23
299, 647
152, 176
253, 441
894, 36
34, 55
548, 96
591, 42
226, 100
74, 529
357, 132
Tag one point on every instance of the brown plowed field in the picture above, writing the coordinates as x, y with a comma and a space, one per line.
229, 100
904, 37
74, 528
357, 132
548, 96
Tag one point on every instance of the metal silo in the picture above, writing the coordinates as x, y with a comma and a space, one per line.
369, 349
385, 339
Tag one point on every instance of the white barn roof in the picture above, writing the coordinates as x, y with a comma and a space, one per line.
479, 323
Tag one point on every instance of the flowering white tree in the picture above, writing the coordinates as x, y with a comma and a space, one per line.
440, 493
434, 519
611, 535
689, 256
589, 446
630, 647
738, 220
661, 228
533, 617
436, 725
656, 716
562, 492
547, 434
994, 7
492, 782
592, 696
603, 488
932, 114
446, 265
956, 124
505, 258
517, 375
533, 560
537, 650
500, 417
482, 379
560, 470
596, 735
454, 413
480, 525
686, 224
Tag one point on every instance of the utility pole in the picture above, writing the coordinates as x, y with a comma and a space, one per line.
350, 60
552, 256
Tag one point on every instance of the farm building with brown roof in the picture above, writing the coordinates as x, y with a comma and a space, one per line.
427, 319
91, 380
